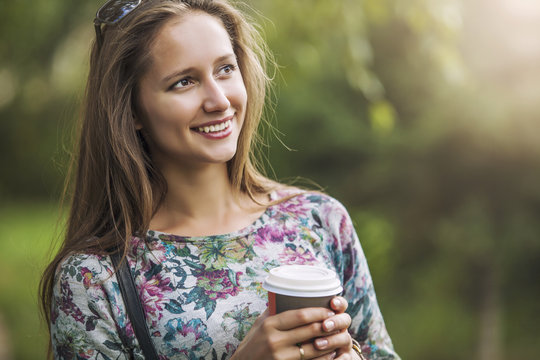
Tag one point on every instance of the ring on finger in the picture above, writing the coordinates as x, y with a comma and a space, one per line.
302, 353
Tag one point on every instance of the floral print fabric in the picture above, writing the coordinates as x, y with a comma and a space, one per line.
201, 295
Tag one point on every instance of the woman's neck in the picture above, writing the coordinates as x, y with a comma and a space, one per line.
203, 202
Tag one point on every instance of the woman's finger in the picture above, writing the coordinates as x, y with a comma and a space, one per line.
301, 334
330, 356
312, 327
341, 340
295, 318
339, 304
336, 323
310, 352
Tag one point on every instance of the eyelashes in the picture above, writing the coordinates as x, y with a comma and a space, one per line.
227, 69
224, 71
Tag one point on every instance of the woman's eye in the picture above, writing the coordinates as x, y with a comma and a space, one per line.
227, 69
182, 83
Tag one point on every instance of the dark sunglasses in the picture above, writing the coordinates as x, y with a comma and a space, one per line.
110, 13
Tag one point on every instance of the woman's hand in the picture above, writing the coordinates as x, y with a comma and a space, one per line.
276, 337
336, 328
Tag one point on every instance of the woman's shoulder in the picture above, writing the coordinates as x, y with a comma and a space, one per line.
313, 209
288, 197
291, 193
88, 268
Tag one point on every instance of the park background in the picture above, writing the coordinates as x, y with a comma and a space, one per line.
421, 116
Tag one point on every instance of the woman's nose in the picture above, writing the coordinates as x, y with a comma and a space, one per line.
215, 97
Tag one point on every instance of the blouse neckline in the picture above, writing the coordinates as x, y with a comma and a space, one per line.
155, 235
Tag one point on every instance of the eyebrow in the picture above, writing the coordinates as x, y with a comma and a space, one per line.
183, 72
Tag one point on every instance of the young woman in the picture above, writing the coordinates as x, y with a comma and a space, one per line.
165, 176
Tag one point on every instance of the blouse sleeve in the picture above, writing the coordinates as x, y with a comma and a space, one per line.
88, 320
367, 326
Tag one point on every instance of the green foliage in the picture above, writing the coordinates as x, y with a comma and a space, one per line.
26, 241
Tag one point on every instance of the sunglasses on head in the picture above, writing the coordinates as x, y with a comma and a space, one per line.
111, 12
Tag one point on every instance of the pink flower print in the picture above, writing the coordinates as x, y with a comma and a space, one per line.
192, 333
137, 244
129, 330
296, 205
87, 277
274, 234
68, 305
336, 217
194, 327
293, 254
217, 284
152, 293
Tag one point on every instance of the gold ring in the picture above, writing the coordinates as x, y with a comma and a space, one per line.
302, 354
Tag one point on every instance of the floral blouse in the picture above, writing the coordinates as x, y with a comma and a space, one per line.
201, 295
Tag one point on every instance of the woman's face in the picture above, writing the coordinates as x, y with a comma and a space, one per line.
192, 99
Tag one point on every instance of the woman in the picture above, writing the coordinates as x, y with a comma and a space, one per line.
165, 176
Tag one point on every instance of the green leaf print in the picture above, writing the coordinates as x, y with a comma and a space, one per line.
111, 345
193, 264
154, 270
194, 296
213, 255
232, 277
183, 251
105, 357
209, 308
174, 306
198, 296
250, 272
217, 254
242, 319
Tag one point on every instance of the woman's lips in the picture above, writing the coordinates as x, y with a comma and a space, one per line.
217, 130
214, 128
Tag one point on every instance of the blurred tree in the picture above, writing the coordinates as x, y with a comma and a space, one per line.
43, 50
405, 124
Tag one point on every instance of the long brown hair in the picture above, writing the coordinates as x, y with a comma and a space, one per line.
116, 188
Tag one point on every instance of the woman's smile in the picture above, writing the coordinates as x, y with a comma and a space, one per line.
215, 129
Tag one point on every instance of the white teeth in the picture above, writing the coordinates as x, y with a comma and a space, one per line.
215, 128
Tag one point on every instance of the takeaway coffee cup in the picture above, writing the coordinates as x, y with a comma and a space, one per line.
298, 286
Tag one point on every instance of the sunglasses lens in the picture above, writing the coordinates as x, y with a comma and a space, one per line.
115, 10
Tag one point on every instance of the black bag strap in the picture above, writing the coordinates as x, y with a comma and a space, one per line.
135, 310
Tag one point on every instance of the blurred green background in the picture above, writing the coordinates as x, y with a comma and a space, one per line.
421, 116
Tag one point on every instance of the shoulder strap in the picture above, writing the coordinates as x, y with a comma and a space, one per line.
134, 307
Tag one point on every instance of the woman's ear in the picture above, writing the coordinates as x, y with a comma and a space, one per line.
137, 121
136, 118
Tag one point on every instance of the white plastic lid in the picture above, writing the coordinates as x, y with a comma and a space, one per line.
302, 281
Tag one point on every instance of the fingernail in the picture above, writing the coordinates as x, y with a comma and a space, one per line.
332, 355
329, 325
336, 302
321, 343
331, 313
